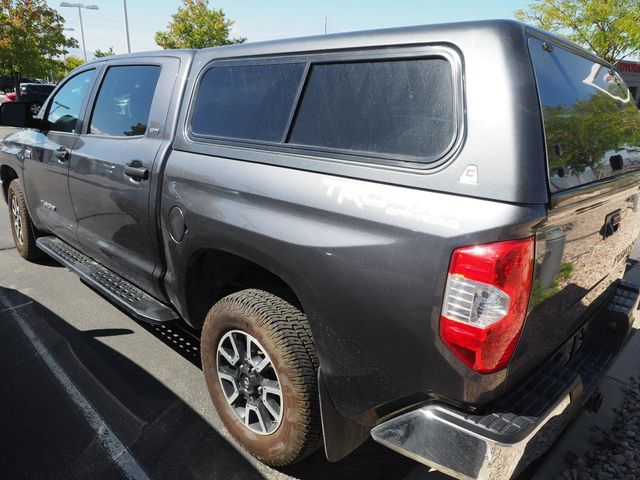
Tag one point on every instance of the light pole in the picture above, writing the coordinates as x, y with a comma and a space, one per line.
126, 24
80, 6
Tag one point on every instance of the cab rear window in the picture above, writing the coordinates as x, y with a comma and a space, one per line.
591, 123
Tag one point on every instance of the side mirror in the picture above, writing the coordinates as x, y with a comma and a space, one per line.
15, 114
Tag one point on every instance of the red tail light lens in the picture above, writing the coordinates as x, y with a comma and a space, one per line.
486, 301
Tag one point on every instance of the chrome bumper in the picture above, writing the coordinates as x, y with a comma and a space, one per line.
501, 444
448, 441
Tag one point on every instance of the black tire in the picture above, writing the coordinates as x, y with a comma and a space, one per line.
283, 333
24, 236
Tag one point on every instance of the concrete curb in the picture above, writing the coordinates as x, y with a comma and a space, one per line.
577, 439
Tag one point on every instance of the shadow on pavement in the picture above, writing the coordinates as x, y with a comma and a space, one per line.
43, 434
370, 461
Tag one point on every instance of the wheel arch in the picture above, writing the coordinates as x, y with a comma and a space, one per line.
212, 274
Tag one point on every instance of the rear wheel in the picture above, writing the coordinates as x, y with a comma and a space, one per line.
21, 226
260, 366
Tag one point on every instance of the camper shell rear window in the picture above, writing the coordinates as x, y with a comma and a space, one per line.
591, 123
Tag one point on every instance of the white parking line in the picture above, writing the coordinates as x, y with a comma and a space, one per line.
107, 438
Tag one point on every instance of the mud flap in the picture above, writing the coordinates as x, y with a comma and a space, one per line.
341, 435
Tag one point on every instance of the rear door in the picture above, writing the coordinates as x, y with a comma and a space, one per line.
592, 130
111, 167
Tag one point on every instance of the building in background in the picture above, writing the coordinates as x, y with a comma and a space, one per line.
630, 72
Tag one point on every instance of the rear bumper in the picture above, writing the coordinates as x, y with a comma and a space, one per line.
442, 438
520, 427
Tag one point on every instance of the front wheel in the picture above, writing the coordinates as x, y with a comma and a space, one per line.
260, 366
21, 226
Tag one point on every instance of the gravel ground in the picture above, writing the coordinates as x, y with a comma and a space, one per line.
616, 452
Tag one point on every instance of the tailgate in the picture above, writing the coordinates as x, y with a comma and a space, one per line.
580, 253
592, 133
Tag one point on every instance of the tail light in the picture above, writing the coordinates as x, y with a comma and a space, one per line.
485, 302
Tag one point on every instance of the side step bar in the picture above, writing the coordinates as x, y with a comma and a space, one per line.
118, 290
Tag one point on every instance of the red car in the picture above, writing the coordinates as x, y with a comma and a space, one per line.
9, 97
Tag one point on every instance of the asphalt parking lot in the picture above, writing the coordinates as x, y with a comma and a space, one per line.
142, 386
88, 392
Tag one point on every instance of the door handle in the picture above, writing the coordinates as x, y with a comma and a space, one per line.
62, 154
135, 170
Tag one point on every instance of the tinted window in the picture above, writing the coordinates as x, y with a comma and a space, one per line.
64, 108
41, 88
36, 87
124, 101
246, 102
402, 107
591, 122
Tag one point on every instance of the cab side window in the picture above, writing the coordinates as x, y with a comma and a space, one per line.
124, 101
65, 106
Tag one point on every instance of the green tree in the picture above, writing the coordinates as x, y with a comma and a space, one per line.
588, 130
72, 62
31, 38
610, 28
104, 53
63, 68
195, 25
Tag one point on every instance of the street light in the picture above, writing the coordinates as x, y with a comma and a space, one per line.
80, 6
126, 24
70, 29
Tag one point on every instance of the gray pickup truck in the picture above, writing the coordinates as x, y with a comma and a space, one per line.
418, 234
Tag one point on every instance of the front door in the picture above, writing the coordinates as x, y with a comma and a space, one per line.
46, 158
111, 169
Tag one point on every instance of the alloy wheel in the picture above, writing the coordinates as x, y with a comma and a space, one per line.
17, 220
249, 381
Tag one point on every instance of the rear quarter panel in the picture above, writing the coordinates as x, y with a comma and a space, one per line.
367, 261
366, 248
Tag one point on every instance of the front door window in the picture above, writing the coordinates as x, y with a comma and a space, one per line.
64, 108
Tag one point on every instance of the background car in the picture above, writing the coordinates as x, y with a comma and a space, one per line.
35, 94
7, 83
9, 97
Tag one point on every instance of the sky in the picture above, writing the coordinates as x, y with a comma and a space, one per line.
259, 20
